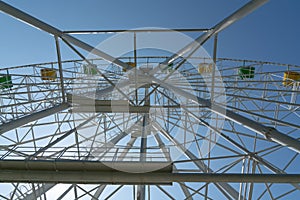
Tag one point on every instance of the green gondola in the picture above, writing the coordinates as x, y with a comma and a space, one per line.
246, 72
5, 81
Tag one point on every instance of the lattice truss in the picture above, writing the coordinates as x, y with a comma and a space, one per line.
56, 144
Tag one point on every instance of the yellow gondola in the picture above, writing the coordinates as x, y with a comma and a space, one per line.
289, 77
132, 64
48, 74
205, 68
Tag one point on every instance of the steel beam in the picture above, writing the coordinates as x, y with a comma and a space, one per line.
93, 172
108, 109
239, 14
61, 77
37, 193
193, 46
78, 165
65, 135
98, 177
225, 188
127, 148
136, 31
268, 132
20, 15
141, 190
83, 104
32, 117
183, 187
99, 192
186, 192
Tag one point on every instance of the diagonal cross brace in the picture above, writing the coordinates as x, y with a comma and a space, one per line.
20, 15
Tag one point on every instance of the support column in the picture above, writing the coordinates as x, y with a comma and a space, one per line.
60, 69
143, 152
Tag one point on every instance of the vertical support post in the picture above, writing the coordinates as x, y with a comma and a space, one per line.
250, 192
182, 184
214, 67
140, 192
241, 184
28, 85
134, 51
135, 69
215, 47
60, 69
142, 188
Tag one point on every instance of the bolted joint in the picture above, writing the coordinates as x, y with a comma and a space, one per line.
268, 132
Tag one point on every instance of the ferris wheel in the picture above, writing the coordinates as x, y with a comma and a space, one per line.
172, 124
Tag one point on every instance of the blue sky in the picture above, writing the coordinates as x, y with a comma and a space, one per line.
268, 34
271, 33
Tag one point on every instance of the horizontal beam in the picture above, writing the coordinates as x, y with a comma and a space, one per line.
136, 31
83, 104
79, 166
32, 117
96, 177
94, 172
121, 108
